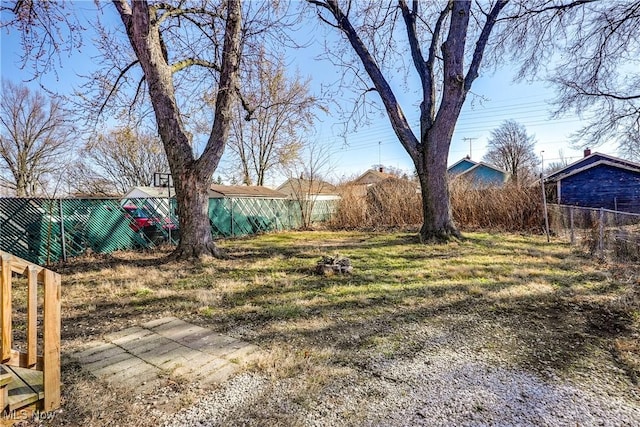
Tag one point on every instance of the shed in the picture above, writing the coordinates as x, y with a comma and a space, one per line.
597, 181
479, 174
149, 192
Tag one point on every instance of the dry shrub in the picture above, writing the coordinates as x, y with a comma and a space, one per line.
351, 211
396, 203
509, 208
392, 203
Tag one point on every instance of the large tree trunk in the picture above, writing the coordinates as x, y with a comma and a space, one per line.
191, 176
437, 225
193, 210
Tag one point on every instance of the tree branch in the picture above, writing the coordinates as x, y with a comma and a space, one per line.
481, 44
181, 65
115, 85
396, 115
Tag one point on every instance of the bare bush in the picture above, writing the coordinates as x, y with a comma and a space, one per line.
510, 208
351, 211
395, 203
392, 203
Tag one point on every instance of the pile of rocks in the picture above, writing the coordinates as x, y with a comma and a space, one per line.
328, 266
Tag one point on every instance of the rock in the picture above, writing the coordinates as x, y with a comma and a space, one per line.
329, 266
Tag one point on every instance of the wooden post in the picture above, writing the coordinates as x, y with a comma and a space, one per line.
32, 316
51, 341
5, 379
5, 307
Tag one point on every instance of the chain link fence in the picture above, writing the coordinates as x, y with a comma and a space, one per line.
45, 231
601, 232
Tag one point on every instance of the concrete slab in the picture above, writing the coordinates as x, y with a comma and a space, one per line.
139, 356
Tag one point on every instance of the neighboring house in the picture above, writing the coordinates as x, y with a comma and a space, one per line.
217, 191
597, 181
372, 176
479, 174
304, 189
314, 200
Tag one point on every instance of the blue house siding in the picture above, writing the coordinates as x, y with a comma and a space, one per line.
485, 175
603, 186
479, 174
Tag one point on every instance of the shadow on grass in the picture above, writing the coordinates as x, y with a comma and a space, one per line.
524, 299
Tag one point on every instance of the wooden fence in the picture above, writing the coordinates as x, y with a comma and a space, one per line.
29, 379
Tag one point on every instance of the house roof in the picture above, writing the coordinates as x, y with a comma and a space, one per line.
306, 186
215, 191
371, 176
220, 191
160, 192
591, 161
461, 164
482, 165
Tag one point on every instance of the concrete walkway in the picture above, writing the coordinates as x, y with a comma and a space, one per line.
140, 356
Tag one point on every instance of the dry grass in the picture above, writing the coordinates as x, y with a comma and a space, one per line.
395, 203
510, 208
533, 305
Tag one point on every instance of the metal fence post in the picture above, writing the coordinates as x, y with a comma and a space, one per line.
601, 233
62, 232
544, 205
231, 203
571, 228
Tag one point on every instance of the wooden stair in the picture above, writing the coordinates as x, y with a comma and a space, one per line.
29, 379
24, 387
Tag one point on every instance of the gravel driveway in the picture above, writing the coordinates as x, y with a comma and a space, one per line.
451, 381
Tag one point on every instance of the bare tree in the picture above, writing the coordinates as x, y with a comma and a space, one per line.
442, 37
124, 158
598, 76
559, 163
281, 116
144, 24
177, 57
307, 181
512, 149
34, 136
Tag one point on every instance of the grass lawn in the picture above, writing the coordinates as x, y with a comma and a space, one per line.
518, 300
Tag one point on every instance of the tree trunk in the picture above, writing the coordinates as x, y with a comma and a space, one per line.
437, 225
193, 210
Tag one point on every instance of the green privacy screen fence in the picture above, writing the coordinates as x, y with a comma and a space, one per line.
44, 231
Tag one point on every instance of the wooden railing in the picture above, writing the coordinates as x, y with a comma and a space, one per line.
49, 361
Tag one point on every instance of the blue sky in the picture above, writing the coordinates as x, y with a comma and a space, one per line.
376, 143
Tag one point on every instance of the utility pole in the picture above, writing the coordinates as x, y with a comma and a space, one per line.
379, 155
470, 141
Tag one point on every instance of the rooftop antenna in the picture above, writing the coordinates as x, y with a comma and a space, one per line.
470, 141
